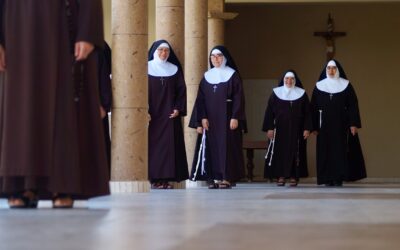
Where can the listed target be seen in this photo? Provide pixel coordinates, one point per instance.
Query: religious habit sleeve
(269, 123)
(201, 105)
(90, 22)
(314, 110)
(352, 107)
(237, 98)
(307, 113)
(180, 95)
(104, 71)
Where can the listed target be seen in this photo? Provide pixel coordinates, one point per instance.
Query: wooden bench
(250, 146)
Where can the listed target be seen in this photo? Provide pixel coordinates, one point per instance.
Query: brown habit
(48, 141)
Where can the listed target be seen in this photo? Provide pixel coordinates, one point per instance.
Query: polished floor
(250, 216)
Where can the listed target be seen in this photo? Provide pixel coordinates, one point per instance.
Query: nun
(287, 122)
(221, 113)
(167, 106)
(336, 120)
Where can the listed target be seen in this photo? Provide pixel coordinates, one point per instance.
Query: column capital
(222, 15)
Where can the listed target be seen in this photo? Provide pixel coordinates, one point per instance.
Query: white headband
(290, 74)
(163, 45)
(216, 52)
(331, 63)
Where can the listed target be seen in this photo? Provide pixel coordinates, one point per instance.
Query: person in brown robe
(167, 106)
(287, 122)
(220, 110)
(336, 119)
(51, 133)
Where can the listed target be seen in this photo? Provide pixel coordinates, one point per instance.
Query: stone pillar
(196, 60)
(129, 113)
(216, 22)
(170, 24)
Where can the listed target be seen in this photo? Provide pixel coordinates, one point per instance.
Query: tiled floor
(250, 216)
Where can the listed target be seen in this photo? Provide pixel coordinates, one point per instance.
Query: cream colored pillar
(195, 61)
(170, 24)
(129, 113)
(216, 22)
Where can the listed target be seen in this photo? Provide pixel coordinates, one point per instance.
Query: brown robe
(167, 154)
(49, 142)
(219, 103)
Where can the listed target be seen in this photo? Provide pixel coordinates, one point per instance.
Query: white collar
(158, 67)
(288, 94)
(332, 85)
(218, 75)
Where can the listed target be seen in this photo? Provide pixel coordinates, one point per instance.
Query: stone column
(170, 24)
(196, 60)
(129, 113)
(216, 22)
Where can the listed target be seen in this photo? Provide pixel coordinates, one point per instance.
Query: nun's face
(217, 59)
(289, 81)
(163, 53)
(331, 71)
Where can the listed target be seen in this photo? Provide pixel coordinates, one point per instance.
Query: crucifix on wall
(330, 36)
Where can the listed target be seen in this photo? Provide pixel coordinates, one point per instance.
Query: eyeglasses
(214, 56)
(163, 50)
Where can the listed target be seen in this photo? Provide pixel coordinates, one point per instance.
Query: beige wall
(107, 20)
(267, 39)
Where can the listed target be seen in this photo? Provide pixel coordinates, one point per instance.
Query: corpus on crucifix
(330, 36)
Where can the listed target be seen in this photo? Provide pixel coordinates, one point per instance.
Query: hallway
(250, 216)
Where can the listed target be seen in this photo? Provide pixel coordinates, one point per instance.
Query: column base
(118, 187)
(179, 185)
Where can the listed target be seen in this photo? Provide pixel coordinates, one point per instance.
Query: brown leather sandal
(26, 199)
(167, 186)
(157, 185)
(281, 182)
(225, 185)
(63, 201)
(293, 182)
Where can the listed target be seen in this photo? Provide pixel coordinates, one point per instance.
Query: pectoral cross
(162, 81)
(330, 96)
(330, 36)
(215, 88)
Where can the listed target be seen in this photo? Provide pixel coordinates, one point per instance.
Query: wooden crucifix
(330, 36)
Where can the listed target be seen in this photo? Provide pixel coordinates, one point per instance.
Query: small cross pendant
(331, 96)
(162, 80)
(215, 88)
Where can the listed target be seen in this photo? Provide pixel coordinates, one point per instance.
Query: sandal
(157, 185)
(281, 182)
(167, 186)
(213, 185)
(293, 182)
(63, 201)
(225, 185)
(27, 199)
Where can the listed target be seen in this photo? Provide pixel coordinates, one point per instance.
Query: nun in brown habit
(51, 135)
